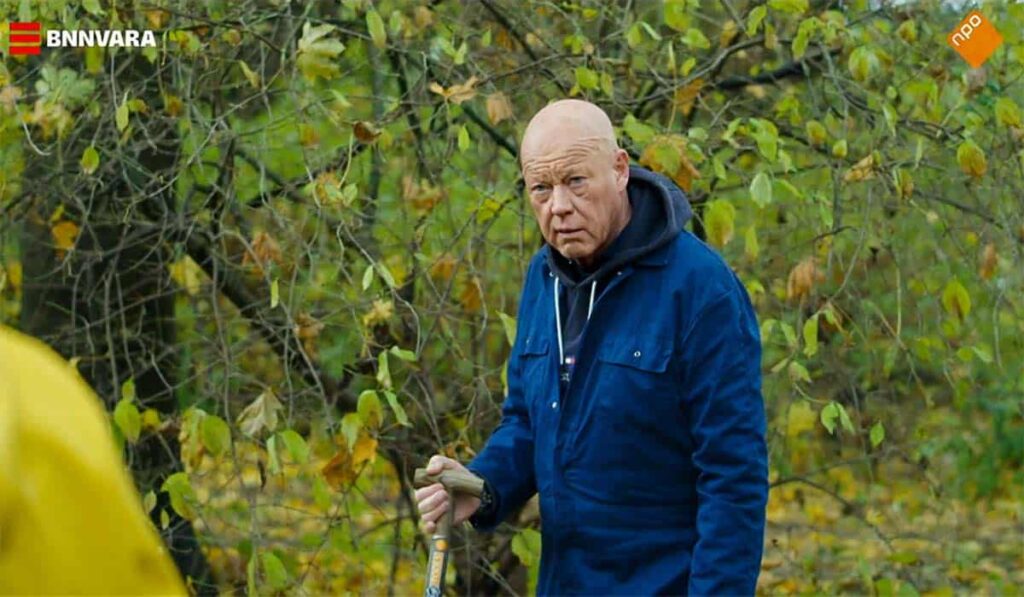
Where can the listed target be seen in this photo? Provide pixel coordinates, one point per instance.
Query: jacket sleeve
(506, 462)
(722, 369)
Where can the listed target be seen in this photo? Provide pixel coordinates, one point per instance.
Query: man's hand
(432, 500)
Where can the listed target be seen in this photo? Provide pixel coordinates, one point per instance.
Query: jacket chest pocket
(634, 374)
(635, 425)
(535, 363)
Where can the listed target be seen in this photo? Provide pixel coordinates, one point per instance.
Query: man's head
(576, 177)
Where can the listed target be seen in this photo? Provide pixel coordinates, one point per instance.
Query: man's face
(577, 191)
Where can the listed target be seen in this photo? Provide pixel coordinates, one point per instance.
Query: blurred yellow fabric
(71, 521)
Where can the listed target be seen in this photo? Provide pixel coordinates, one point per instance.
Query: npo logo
(975, 38)
(26, 38)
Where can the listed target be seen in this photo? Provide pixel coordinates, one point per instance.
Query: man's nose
(561, 200)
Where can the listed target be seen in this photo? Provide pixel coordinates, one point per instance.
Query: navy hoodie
(659, 212)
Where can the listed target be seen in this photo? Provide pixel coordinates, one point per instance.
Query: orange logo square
(975, 38)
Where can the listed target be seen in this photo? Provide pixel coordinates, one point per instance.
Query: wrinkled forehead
(553, 153)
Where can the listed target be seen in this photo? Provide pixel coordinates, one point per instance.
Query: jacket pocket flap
(646, 354)
(535, 346)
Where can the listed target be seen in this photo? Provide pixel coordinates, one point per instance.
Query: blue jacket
(652, 467)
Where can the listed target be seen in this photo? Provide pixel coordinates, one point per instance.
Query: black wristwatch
(487, 505)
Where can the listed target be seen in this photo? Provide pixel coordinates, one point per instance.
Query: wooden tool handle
(454, 481)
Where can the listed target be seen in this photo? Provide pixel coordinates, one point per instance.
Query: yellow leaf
(971, 159)
(862, 170)
(498, 107)
(471, 296)
(956, 300)
(685, 97)
(799, 418)
(252, 77)
(318, 54)
(339, 472)
(187, 274)
(718, 222)
(666, 154)
(365, 450)
(64, 234)
(261, 414)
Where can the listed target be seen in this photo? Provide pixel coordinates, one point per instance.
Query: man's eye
(576, 180)
(538, 188)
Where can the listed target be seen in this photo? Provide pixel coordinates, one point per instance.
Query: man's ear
(621, 169)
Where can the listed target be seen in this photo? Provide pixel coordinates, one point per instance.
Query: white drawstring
(558, 317)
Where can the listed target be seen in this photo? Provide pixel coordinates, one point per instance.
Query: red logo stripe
(25, 27)
(28, 38)
(24, 50)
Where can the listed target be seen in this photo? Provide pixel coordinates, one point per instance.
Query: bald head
(567, 122)
(576, 178)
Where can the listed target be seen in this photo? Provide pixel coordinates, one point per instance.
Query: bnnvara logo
(27, 38)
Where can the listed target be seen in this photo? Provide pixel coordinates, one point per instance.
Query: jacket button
(551, 274)
(554, 404)
(636, 354)
(618, 273)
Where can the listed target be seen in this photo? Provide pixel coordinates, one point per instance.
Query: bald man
(634, 402)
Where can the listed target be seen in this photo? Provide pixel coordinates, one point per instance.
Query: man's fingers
(436, 464)
(432, 502)
(424, 492)
(428, 527)
(435, 513)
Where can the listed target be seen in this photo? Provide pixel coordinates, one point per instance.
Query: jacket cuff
(485, 518)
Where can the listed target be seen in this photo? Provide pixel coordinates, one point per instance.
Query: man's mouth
(567, 231)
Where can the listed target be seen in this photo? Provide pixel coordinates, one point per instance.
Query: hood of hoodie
(660, 209)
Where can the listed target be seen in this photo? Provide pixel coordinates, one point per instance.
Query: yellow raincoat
(71, 521)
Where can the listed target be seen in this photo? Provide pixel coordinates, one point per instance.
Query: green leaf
(385, 274)
(368, 277)
(93, 7)
(351, 423)
(844, 418)
(369, 409)
(983, 353)
(639, 132)
(862, 63)
(375, 25)
(463, 138)
(509, 323)
(695, 39)
(406, 355)
(128, 389)
(789, 333)
(215, 434)
(275, 294)
(273, 569)
(392, 399)
(828, 417)
(687, 66)
(250, 575)
(128, 420)
(761, 189)
(797, 372)
(274, 464)
(121, 115)
(149, 502)
(250, 76)
(90, 160)
(183, 497)
(383, 371)
(790, 6)
(877, 434)
(526, 546)
(296, 446)
(321, 495)
(587, 78)
(811, 336)
(634, 36)
(767, 137)
(956, 300)
(755, 18)
(1007, 112)
(675, 15)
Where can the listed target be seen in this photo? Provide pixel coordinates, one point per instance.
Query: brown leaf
(307, 327)
(666, 154)
(862, 170)
(498, 107)
(339, 472)
(423, 17)
(686, 96)
(471, 296)
(456, 93)
(443, 268)
(365, 131)
(989, 261)
(421, 196)
(802, 279)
